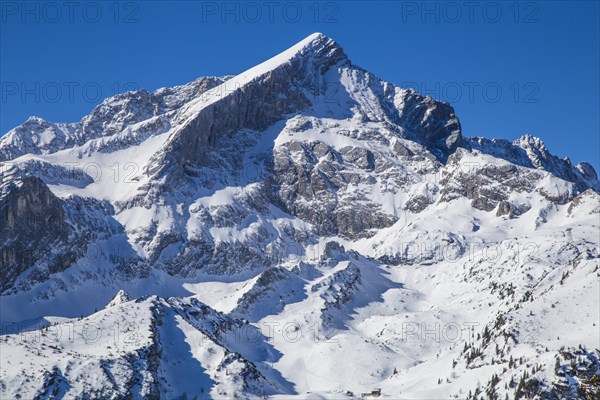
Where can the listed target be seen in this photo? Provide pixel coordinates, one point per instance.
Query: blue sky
(508, 68)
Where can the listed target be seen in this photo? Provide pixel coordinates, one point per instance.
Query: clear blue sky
(59, 61)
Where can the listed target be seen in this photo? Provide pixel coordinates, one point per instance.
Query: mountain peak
(313, 37)
(315, 40)
(319, 48)
(530, 140)
(320, 44)
(120, 298)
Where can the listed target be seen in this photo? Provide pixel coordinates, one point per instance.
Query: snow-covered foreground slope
(301, 230)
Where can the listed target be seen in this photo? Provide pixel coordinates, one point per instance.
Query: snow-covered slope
(302, 227)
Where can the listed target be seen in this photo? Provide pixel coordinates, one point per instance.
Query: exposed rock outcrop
(32, 223)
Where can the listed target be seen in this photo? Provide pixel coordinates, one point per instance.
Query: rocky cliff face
(256, 105)
(306, 195)
(33, 223)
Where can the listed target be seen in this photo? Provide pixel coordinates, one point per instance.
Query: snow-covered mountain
(300, 230)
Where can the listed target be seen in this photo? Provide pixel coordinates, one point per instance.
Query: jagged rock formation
(33, 223)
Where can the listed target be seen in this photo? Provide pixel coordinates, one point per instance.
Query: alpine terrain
(300, 230)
